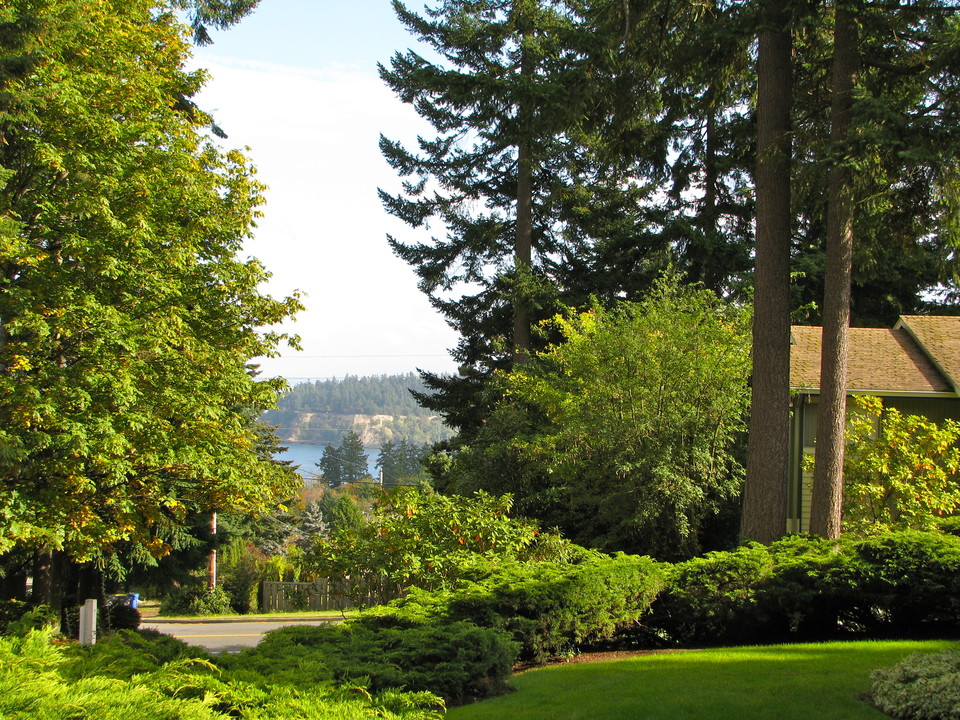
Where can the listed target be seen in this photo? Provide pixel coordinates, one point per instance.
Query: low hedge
(803, 588)
(196, 600)
(458, 661)
(548, 608)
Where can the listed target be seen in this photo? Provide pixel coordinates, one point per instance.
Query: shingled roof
(939, 337)
(883, 361)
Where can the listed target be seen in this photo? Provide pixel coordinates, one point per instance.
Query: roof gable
(939, 337)
(880, 361)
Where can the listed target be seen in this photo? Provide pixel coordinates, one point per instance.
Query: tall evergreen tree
(346, 463)
(219, 14)
(765, 488)
(901, 152)
(561, 127)
(505, 101)
(827, 499)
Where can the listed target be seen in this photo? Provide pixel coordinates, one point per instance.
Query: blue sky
(296, 82)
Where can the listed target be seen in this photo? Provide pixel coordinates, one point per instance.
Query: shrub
(912, 580)
(126, 653)
(714, 599)
(812, 593)
(41, 680)
(899, 583)
(112, 615)
(924, 686)
(900, 471)
(18, 617)
(548, 608)
(10, 611)
(41, 617)
(242, 568)
(456, 660)
(196, 600)
(419, 538)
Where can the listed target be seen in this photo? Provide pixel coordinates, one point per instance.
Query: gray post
(88, 622)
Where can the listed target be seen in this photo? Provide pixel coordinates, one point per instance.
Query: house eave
(882, 393)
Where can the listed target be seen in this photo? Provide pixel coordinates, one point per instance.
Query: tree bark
(42, 580)
(764, 514)
(827, 502)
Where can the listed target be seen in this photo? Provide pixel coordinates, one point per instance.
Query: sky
(296, 82)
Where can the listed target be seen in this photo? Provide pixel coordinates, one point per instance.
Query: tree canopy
(346, 463)
(623, 433)
(640, 120)
(127, 320)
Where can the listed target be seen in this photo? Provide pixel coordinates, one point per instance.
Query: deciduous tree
(622, 434)
(422, 539)
(900, 471)
(127, 321)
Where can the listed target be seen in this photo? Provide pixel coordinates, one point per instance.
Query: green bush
(142, 676)
(11, 611)
(126, 653)
(112, 616)
(711, 599)
(912, 579)
(455, 660)
(242, 568)
(924, 686)
(801, 588)
(18, 617)
(812, 592)
(196, 600)
(548, 608)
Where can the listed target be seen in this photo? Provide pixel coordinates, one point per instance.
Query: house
(914, 367)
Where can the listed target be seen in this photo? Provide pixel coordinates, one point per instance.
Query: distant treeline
(374, 395)
(323, 411)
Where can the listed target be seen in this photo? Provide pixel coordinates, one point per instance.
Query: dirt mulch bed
(592, 657)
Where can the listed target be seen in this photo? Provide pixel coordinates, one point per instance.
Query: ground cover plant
(458, 661)
(924, 686)
(787, 682)
(124, 676)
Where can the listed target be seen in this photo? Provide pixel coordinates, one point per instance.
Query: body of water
(307, 455)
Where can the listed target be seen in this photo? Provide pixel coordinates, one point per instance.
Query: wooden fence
(326, 594)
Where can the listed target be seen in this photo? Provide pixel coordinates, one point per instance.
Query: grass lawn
(783, 682)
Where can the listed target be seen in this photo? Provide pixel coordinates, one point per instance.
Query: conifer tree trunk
(765, 492)
(827, 501)
(523, 256)
(523, 244)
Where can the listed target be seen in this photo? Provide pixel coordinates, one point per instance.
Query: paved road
(221, 636)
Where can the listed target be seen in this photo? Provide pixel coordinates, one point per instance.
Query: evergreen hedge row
(547, 608)
(803, 588)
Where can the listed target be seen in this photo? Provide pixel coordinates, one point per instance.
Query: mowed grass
(782, 682)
